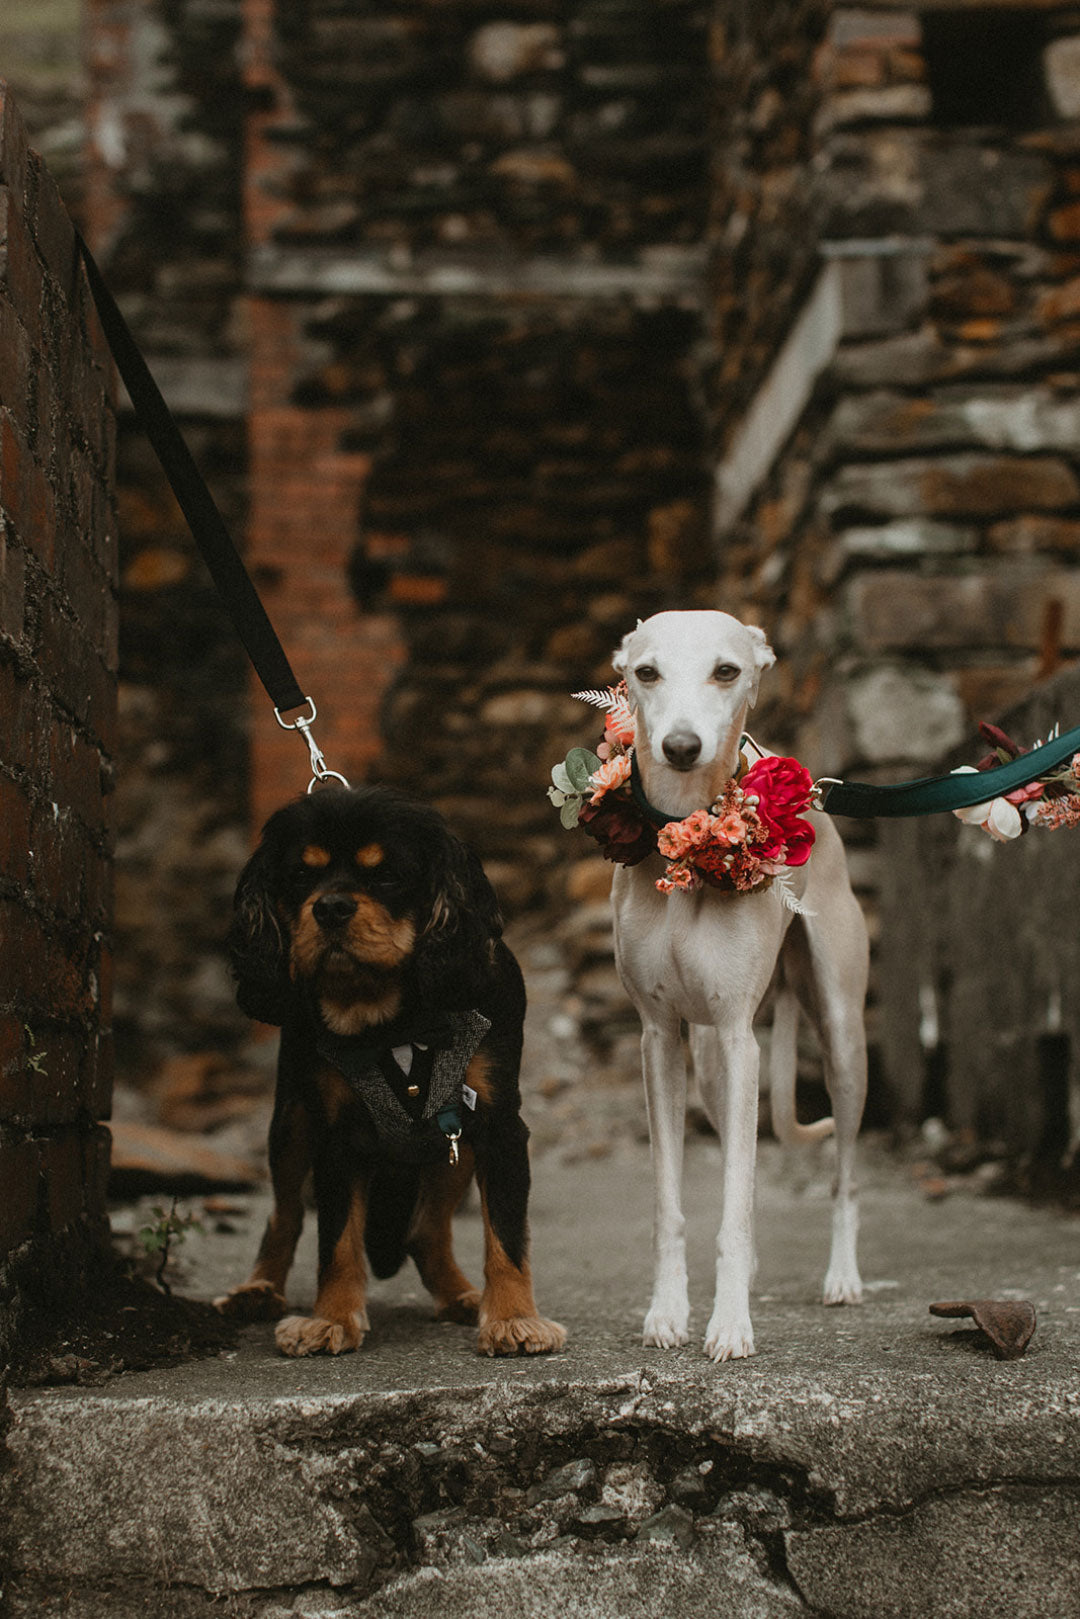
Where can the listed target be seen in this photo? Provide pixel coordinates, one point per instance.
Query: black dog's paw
(252, 1301)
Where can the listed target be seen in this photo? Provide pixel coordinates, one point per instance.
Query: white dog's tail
(782, 1065)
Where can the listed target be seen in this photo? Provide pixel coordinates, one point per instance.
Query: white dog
(708, 957)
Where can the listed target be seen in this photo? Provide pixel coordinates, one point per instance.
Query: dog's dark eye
(298, 876)
(725, 673)
(647, 673)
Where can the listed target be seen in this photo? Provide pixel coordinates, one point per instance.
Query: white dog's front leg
(664, 1068)
(730, 1335)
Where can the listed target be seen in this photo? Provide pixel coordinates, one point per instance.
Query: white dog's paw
(666, 1329)
(730, 1340)
(842, 1287)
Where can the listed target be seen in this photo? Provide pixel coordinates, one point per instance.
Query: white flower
(998, 817)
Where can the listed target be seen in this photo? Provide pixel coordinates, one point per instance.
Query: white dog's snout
(682, 749)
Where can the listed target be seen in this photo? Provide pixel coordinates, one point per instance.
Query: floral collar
(1051, 801)
(748, 838)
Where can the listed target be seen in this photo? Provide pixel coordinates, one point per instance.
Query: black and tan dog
(372, 936)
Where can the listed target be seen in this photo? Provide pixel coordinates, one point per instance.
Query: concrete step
(872, 1461)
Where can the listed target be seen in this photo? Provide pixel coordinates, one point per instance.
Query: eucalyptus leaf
(570, 811)
(561, 779)
(558, 797)
(580, 765)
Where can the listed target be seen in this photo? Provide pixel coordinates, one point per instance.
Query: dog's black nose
(333, 910)
(681, 749)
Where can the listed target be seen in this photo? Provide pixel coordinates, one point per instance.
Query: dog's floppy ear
(620, 658)
(258, 949)
(455, 951)
(764, 657)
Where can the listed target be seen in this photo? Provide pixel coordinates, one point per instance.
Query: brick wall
(58, 631)
(479, 291)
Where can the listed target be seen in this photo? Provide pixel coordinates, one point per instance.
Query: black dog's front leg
(339, 1319)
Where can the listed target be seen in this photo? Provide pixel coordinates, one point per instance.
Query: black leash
(241, 599)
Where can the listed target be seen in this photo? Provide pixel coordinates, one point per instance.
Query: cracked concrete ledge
(871, 1462)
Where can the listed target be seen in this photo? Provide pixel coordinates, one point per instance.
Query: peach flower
(612, 773)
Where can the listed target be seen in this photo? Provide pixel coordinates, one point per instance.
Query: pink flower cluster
(751, 833)
(754, 830)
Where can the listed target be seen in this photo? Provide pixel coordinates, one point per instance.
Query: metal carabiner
(816, 800)
(320, 773)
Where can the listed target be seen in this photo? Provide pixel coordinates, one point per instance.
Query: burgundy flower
(618, 827)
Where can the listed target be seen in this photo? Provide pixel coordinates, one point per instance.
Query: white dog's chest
(707, 955)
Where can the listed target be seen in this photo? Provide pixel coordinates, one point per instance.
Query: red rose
(782, 788)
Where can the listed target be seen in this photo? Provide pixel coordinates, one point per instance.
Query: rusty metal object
(1008, 1323)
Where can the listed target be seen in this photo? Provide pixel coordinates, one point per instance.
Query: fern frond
(599, 699)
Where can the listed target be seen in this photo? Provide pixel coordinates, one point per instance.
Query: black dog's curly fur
(362, 907)
(435, 875)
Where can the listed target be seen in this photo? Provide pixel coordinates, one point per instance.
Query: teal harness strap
(658, 817)
(932, 795)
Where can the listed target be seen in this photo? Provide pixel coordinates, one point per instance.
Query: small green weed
(169, 1228)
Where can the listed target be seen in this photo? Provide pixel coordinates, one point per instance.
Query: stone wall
(914, 546)
(58, 629)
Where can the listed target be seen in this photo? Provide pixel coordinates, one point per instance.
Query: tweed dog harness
(411, 1083)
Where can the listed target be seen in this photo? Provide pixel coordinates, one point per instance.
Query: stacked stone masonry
(513, 283)
(915, 547)
(58, 633)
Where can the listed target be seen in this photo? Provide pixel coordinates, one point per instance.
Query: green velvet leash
(932, 795)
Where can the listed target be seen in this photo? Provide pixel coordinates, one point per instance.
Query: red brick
(56, 859)
(15, 1093)
(12, 586)
(55, 1079)
(99, 1099)
(106, 975)
(63, 1168)
(20, 1175)
(25, 721)
(14, 152)
(20, 271)
(24, 955)
(96, 1150)
(86, 588)
(50, 226)
(75, 774)
(15, 816)
(66, 659)
(25, 495)
(15, 358)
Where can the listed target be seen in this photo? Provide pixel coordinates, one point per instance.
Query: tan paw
(311, 1335)
(465, 1308)
(521, 1335)
(252, 1301)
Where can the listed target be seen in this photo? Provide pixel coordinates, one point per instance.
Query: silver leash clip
(817, 794)
(319, 770)
(453, 1139)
